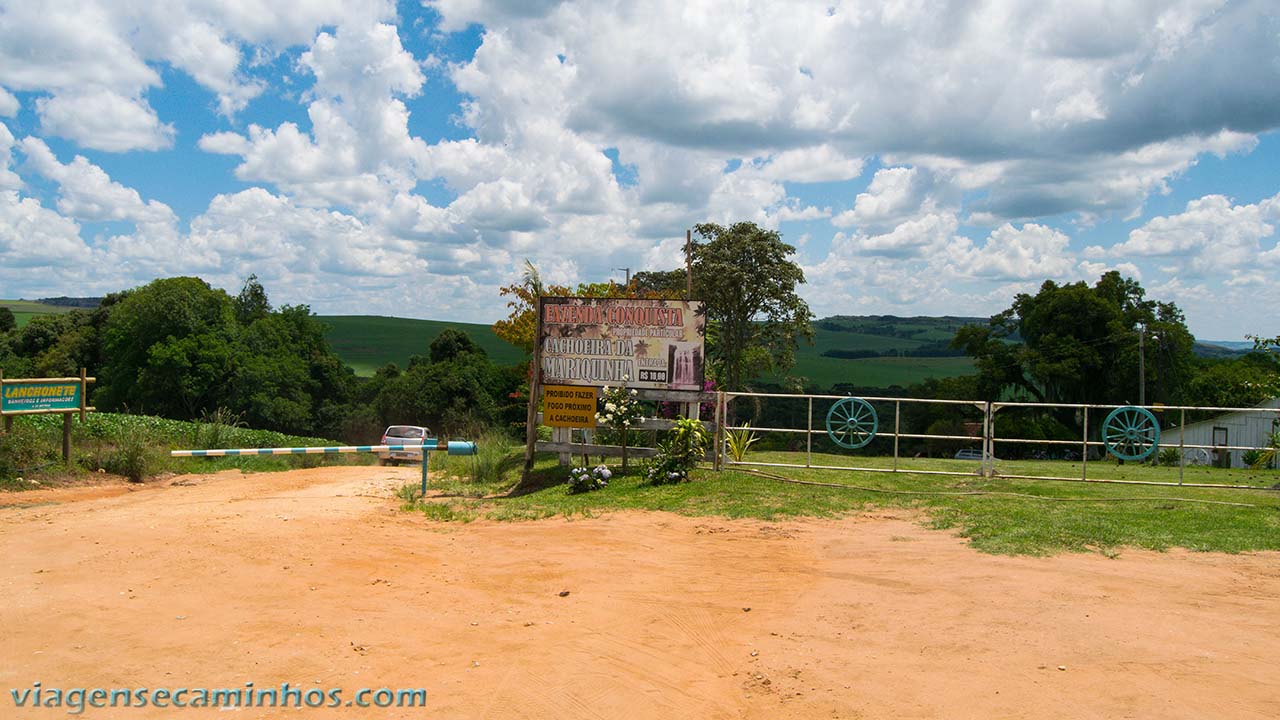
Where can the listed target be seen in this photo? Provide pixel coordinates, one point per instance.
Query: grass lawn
(1032, 517)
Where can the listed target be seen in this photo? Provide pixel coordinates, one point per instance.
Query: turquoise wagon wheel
(1131, 433)
(852, 423)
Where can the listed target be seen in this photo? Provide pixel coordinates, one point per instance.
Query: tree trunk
(624, 448)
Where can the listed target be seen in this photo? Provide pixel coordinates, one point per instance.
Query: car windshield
(403, 431)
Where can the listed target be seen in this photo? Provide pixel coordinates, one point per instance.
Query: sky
(924, 158)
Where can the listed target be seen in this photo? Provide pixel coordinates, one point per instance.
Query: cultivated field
(24, 310)
(318, 578)
(366, 343)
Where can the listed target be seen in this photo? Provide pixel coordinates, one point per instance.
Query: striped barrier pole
(453, 447)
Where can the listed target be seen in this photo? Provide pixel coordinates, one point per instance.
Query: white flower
(610, 407)
(633, 392)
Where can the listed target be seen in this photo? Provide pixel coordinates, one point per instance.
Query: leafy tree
(285, 374)
(1237, 382)
(168, 348)
(251, 304)
(452, 342)
(7, 320)
(671, 284)
(176, 347)
(1260, 343)
(754, 315)
(457, 395)
(1081, 344)
(522, 322)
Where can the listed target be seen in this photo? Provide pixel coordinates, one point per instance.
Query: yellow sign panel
(569, 406)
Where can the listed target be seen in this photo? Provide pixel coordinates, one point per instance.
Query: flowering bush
(583, 480)
(620, 410)
(619, 407)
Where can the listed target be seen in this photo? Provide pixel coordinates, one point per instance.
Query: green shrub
(679, 453)
(495, 458)
(24, 449)
(1169, 457)
(1267, 455)
(214, 430)
(133, 456)
(738, 441)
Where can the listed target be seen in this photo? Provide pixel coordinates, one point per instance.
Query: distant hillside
(1221, 349)
(24, 310)
(367, 342)
(882, 350)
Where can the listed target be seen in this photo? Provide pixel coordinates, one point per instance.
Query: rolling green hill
(879, 372)
(24, 310)
(367, 342)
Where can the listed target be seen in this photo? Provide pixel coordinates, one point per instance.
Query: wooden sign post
(41, 396)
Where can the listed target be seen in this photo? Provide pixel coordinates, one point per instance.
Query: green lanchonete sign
(45, 397)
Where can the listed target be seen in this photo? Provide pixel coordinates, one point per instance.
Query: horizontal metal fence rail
(452, 447)
(988, 438)
(810, 431)
(330, 450)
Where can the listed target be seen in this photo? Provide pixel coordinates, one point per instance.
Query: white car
(402, 435)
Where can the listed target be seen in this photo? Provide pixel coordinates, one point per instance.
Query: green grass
(879, 372)
(367, 342)
(1017, 517)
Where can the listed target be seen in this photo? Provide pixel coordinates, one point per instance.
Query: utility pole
(688, 263)
(627, 270)
(1142, 366)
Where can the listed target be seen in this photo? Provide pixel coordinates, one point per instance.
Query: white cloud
(96, 58)
(915, 237)
(1210, 235)
(9, 180)
(86, 192)
(9, 104)
(359, 150)
(34, 236)
(1017, 116)
(104, 120)
(819, 163)
(1027, 253)
(894, 195)
(794, 212)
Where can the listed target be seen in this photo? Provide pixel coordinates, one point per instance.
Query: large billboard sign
(608, 341)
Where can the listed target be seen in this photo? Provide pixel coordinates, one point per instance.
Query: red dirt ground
(315, 578)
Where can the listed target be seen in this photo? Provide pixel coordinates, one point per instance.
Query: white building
(1233, 432)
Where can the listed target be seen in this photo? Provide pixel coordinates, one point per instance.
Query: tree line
(181, 349)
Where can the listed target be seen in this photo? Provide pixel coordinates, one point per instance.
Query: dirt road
(314, 578)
